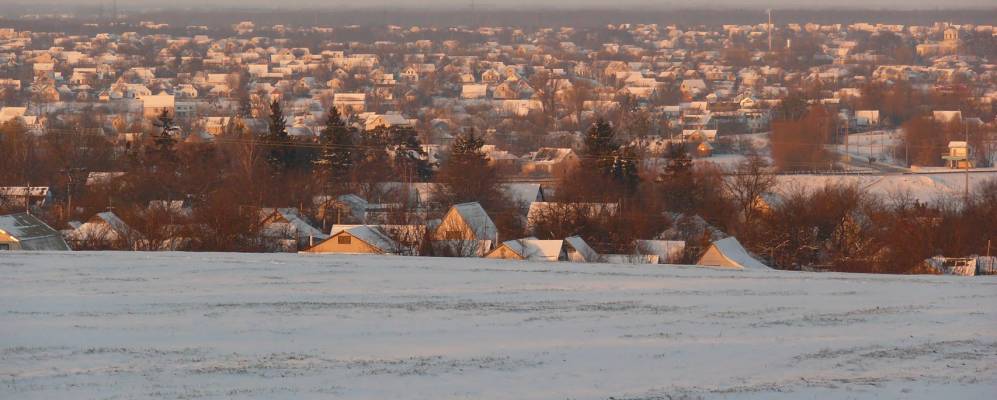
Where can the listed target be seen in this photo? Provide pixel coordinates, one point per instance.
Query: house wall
(453, 227)
(356, 246)
(9, 241)
(713, 258)
(504, 253)
(573, 255)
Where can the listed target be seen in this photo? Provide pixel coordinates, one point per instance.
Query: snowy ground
(925, 187)
(190, 326)
(878, 144)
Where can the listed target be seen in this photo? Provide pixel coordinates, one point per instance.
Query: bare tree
(747, 185)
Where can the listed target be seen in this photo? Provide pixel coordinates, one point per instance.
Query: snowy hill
(275, 326)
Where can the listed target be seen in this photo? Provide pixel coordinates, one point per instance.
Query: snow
(879, 144)
(281, 326)
(533, 249)
(477, 220)
(927, 188)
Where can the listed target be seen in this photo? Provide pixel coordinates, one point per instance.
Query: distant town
(858, 147)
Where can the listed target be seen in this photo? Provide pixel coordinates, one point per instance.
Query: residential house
(551, 160)
(25, 196)
(472, 91)
(356, 239)
(350, 103)
(286, 229)
(958, 155)
(866, 118)
(466, 230)
(154, 105)
(105, 231)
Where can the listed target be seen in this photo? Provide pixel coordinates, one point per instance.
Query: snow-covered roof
(372, 235)
(295, 221)
(105, 226)
(477, 220)
(534, 249)
(732, 250)
(584, 250)
(523, 193)
(31, 232)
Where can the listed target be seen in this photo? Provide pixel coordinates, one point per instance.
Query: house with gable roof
(465, 230)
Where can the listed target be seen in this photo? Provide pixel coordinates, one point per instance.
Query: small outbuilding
(531, 249)
(576, 250)
(728, 253)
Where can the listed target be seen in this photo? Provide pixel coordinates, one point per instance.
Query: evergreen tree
(598, 154)
(624, 169)
(280, 155)
(602, 156)
(164, 143)
(338, 151)
(409, 156)
(466, 175)
(466, 150)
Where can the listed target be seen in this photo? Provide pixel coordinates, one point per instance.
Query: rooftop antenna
(769, 11)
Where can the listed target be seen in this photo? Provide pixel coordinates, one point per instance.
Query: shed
(728, 253)
(577, 250)
(531, 249)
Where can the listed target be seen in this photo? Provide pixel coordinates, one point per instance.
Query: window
(344, 239)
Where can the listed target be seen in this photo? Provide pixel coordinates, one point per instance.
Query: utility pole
(847, 156)
(27, 199)
(474, 15)
(769, 11)
(966, 129)
(69, 190)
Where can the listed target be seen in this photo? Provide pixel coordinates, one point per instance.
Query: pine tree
(164, 141)
(599, 147)
(466, 176)
(280, 155)
(624, 168)
(466, 150)
(338, 151)
(410, 158)
(602, 156)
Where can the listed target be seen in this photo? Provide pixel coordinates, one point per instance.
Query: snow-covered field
(926, 187)
(265, 326)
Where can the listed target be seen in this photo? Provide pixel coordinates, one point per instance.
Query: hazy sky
(901, 4)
